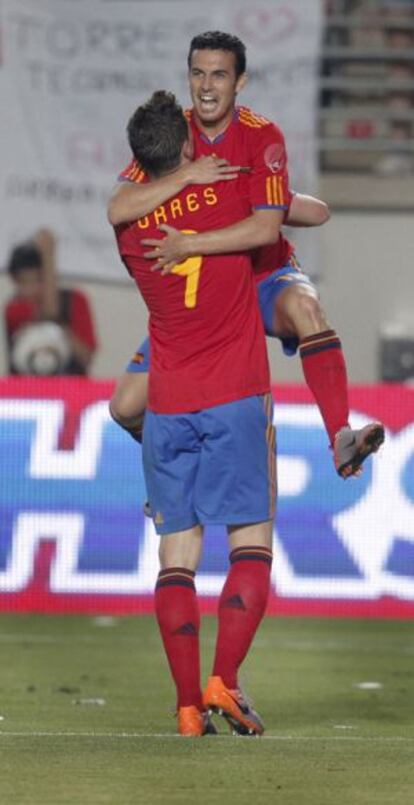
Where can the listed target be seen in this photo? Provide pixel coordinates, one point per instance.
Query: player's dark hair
(217, 40)
(157, 132)
(24, 256)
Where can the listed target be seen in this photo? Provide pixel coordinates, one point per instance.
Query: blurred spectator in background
(49, 330)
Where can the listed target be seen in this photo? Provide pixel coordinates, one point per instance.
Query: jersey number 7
(190, 269)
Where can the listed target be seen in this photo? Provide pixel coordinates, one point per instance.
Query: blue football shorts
(217, 465)
(268, 291)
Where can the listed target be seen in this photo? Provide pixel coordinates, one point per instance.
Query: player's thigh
(129, 399)
(236, 482)
(171, 455)
(181, 548)
(251, 534)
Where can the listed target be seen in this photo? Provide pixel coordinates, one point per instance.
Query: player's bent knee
(303, 309)
(115, 413)
(126, 419)
(128, 402)
(134, 425)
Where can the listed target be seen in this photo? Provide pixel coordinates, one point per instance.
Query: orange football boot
(193, 724)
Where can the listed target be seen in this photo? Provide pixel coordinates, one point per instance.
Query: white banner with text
(73, 71)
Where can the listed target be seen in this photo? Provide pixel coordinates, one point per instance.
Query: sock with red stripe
(178, 617)
(325, 373)
(242, 605)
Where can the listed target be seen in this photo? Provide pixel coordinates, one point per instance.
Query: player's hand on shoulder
(208, 169)
(167, 251)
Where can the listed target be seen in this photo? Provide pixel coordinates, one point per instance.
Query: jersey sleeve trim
(133, 173)
(136, 178)
(274, 190)
(251, 119)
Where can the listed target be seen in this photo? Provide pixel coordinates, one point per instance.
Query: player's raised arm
(133, 197)
(307, 211)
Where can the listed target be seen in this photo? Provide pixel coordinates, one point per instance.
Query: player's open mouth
(207, 102)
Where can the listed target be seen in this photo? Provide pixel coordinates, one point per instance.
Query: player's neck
(213, 129)
(183, 161)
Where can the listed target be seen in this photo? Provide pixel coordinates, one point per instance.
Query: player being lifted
(225, 136)
(209, 441)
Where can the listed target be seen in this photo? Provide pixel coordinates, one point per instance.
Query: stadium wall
(73, 537)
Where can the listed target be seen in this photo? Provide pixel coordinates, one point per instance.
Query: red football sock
(242, 605)
(178, 616)
(325, 373)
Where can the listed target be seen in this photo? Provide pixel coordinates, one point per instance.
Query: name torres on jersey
(177, 208)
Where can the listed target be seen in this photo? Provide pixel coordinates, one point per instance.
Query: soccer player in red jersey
(209, 440)
(289, 301)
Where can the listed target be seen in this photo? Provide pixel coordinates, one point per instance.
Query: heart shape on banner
(265, 26)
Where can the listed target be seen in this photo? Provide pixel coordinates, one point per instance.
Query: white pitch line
(146, 735)
(294, 645)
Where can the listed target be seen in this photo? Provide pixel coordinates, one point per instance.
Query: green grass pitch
(87, 716)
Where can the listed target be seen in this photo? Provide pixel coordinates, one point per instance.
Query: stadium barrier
(73, 536)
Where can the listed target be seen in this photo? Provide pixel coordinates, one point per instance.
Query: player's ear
(241, 82)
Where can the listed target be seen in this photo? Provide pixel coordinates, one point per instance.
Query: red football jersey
(253, 142)
(207, 338)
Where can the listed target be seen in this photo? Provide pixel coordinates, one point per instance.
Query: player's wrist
(185, 176)
(188, 246)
